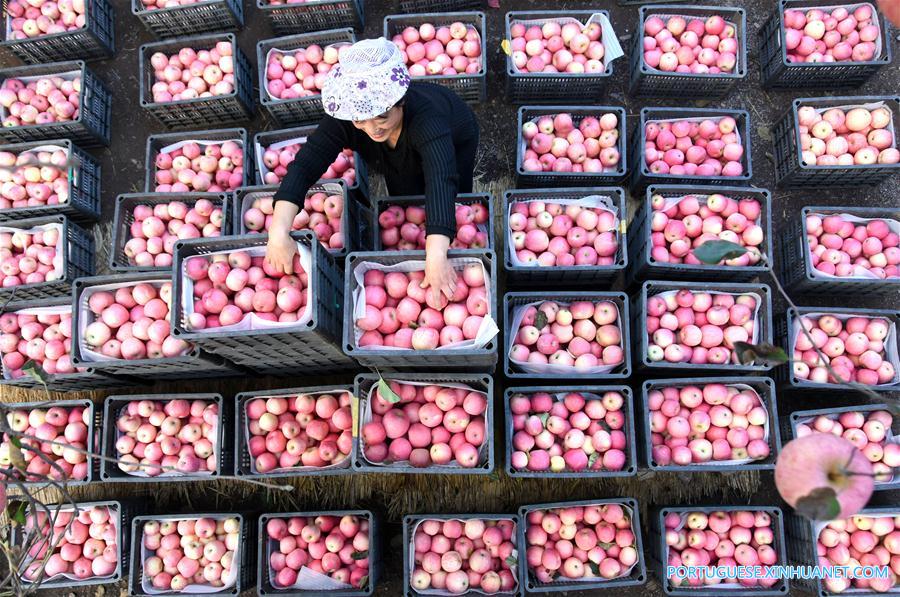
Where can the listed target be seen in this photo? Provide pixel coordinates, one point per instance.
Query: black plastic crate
(522, 87)
(264, 584)
(569, 274)
(797, 272)
(471, 88)
(195, 364)
(644, 266)
(641, 176)
(124, 216)
(313, 350)
(90, 129)
(382, 203)
(191, 19)
(113, 406)
(156, 142)
(76, 246)
(83, 172)
(792, 173)
(481, 383)
(463, 360)
(653, 287)
(551, 179)
(511, 300)
(94, 41)
(314, 16)
(631, 464)
(199, 112)
(777, 73)
(411, 6)
(638, 574)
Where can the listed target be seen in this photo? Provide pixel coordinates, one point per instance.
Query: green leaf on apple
(713, 252)
(540, 320)
(385, 391)
(593, 458)
(595, 568)
(16, 512)
(364, 582)
(511, 561)
(359, 555)
(760, 354)
(32, 368)
(820, 504)
(544, 418)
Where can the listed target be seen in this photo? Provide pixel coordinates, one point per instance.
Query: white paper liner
(329, 188)
(291, 51)
(486, 331)
(58, 263)
(180, 144)
(690, 18)
(411, 562)
(851, 8)
(251, 321)
(66, 76)
(699, 119)
(890, 341)
(519, 313)
(58, 310)
(859, 272)
(619, 143)
(612, 49)
(593, 201)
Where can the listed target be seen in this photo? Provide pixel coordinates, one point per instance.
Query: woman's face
(382, 126)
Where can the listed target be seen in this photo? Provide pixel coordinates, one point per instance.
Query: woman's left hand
(440, 277)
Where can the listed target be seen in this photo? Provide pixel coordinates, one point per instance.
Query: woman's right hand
(280, 251)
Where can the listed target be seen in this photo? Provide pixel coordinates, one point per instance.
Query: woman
(423, 138)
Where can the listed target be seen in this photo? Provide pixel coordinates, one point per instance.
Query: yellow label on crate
(623, 225)
(354, 413)
(507, 49)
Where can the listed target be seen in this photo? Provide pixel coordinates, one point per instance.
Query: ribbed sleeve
(313, 159)
(435, 145)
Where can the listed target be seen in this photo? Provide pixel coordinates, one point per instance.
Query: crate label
(354, 414)
(505, 46)
(623, 225)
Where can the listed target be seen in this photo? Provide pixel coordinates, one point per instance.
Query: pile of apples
(403, 228)
(836, 35)
(573, 432)
(322, 213)
(854, 346)
(45, 339)
(580, 542)
(555, 48)
(213, 167)
(861, 540)
(676, 230)
(191, 551)
(300, 72)
(177, 434)
(698, 46)
(709, 147)
(27, 257)
(838, 137)
(190, 74)
(699, 327)
(546, 234)
(429, 426)
(65, 424)
(310, 430)
(723, 539)
(33, 18)
(447, 50)
(457, 556)
(337, 546)
(34, 178)
(556, 144)
(132, 323)
(156, 228)
(581, 335)
(838, 246)
(278, 160)
(402, 314)
(227, 287)
(83, 545)
(40, 101)
(707, 423)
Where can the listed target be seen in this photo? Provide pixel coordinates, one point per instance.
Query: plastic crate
(199, 112)
(570, 179)
(632, 2)
(792, 173)
(631, 465)
(650, 82)
(191, 19)
(764, 386)
(481, 383)
(314, 16)
(411, 6)
(382, 203)
(77, 250)
(654, 287)
(94, 41)
(776, 72)
(195, 364)
(796, 269)
(462, 360)
(471, 88)
(83, 172)
(643, 265)
(90, 129)
(157, 142)
(264, 584)
(659, 551)
(638, 574)
(511, 300)
(313, 350)
(569, 274)
(124, 217)
(552, 87)
(641, 176)
(785, 323)
(242, 459)
(113, 406)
